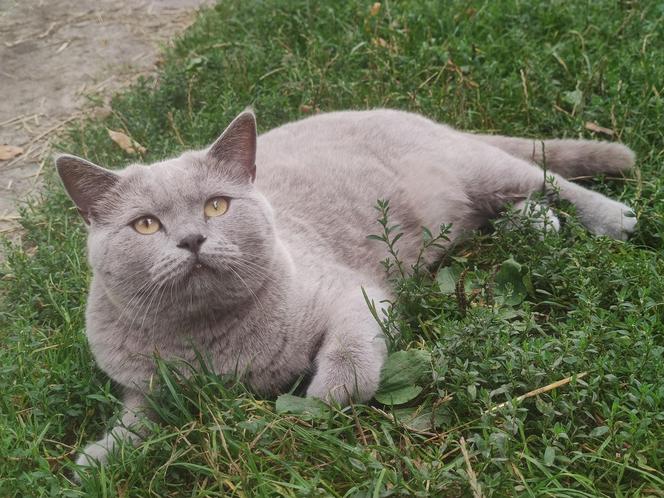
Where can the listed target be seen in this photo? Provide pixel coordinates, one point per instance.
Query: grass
(575, 304)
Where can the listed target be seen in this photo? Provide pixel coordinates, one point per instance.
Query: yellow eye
(216, 207)
(147, 225)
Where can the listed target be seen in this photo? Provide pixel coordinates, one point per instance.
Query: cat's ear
(236, 147)
(85, 182)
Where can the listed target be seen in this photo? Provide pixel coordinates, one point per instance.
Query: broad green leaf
(426, 421)
(251, 426)
(575, 97)
(472, 391)
(549, 455)
(400, 375)
(512, 282)
(398, 396)
(420, 419)
(599, 431)
(308, 407)
(447, 278)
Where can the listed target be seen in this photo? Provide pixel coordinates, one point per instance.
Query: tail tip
(619, 157)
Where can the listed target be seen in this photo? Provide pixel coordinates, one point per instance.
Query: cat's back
(382, 134)
(324, 174)
(343, 154)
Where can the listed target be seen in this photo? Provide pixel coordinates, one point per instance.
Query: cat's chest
(267, 353)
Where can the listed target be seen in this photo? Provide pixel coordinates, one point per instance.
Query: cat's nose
(192, 242)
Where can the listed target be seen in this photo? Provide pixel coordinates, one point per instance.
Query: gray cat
(255, 251)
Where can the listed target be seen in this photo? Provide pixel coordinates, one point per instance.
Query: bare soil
(55, 55)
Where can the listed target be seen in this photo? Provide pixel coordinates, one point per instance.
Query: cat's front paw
(343, 385)
(540, 217)
(94, 454)
(612, 219)
(338, 394)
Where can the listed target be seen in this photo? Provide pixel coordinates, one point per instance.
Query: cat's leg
(599, 214)
(134, 406)
(498, 178)
(353, 351)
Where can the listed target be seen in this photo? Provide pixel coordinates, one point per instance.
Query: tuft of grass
(505, 314)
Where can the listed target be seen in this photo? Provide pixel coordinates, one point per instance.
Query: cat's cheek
(98, 250)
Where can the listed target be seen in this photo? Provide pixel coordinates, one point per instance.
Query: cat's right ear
(85, 182)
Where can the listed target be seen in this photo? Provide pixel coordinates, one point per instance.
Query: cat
(255, 250)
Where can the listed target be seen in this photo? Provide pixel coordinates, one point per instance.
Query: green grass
(595, 305)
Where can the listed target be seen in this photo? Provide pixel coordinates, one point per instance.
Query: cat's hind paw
(612, 219)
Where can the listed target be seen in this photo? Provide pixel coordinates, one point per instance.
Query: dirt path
(54, 55)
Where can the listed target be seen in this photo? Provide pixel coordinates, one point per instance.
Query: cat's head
(191, 232)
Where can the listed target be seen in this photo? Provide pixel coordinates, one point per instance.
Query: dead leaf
(599, 129)
(380, 42)
(306, 108)
(62, 47)
(9, 152)
(126, 143)
(375, 9)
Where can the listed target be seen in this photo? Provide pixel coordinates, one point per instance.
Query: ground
(524, 365)
(57, 55)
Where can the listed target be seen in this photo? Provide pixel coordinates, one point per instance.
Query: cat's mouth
(196, 266)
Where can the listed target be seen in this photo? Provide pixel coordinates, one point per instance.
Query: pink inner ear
(236, 147)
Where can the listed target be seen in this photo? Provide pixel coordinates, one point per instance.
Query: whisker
(132, 312)
(165, 268)
(243, 263)
(143, 288)
(154, 292)
(156, 309)
(256, 271)
(124, 280)
(258, 302)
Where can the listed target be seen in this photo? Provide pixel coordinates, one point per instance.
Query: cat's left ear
(236, 147)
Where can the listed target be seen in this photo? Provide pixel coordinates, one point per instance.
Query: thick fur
(279, 293)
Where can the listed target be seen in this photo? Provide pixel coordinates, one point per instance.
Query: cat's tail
(568, 158)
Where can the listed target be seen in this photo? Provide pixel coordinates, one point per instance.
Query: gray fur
(284, 268)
